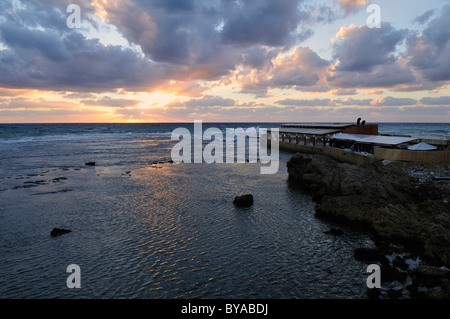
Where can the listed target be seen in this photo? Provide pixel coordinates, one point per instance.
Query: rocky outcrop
(244, 200)
(56, 232)
(378, 197)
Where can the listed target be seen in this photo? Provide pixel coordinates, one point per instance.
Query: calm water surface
(141, 230)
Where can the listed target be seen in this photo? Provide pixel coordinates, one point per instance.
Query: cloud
(305, 102)
(361, 49)
(430, 50)
(264, 22)
(29, 104)
(392, 101)
(109, 102)
(43, 54)
(424, 17)
(441, 100)
(342, 91)
(190, 48)
(302, 69)
(350, 101)
(351, 5)
(210, 101)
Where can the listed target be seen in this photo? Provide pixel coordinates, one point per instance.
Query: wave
(80, 136)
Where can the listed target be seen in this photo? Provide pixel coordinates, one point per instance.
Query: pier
(358, 143)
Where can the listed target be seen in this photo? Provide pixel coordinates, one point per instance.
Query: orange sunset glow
(177, 61)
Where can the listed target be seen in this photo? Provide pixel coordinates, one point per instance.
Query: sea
(146, 228)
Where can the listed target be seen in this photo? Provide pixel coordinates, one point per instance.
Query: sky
(224, 61)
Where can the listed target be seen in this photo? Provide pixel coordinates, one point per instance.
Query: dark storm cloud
(430, 51)
(363, 48)
(265, 22)
(442, 100)
(42, 54)
(258, 41)
(74, 63)
(34, 42)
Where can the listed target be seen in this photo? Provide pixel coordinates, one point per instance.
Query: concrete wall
(292, 147)
(380, 154)
(367, 129)
(337, 154)
(343, 156)
(412, 156)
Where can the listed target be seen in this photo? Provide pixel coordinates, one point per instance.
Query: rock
(400, 263)
(334, 232)
(244, 200)
(379, 198)
(394, 293)
(373, 293)
(59, 231)
(435, 294)
(423, 271)
(369, 255)
(90, 164)
(390, 274)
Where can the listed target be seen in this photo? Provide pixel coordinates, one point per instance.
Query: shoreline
(400, 205)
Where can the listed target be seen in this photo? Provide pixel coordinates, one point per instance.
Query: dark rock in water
(373, 293)
(394, 293)
(334, 231)
(90, 164)
(400, 263)
(59, 231)
(424, 271)
(389, 274)
(435, 294)
(370, 255)
(244, 200)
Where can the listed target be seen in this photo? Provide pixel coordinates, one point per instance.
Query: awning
(422, 147)
(374, 139)
(309, 131)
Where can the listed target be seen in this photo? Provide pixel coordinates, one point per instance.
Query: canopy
(422, 147)
(374, 139)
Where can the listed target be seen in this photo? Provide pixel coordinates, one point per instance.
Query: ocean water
(415, 129)
(142, 229)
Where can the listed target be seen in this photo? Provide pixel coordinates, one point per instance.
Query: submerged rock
(244, 200)
(400, 263)
(59, 231)
(334, 232)
(90, 164)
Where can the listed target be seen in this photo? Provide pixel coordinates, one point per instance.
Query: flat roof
(309, 131)
(435, 140)
(315, 125)
(374, 139)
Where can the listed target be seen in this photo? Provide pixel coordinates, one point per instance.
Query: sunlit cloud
(176, 61)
